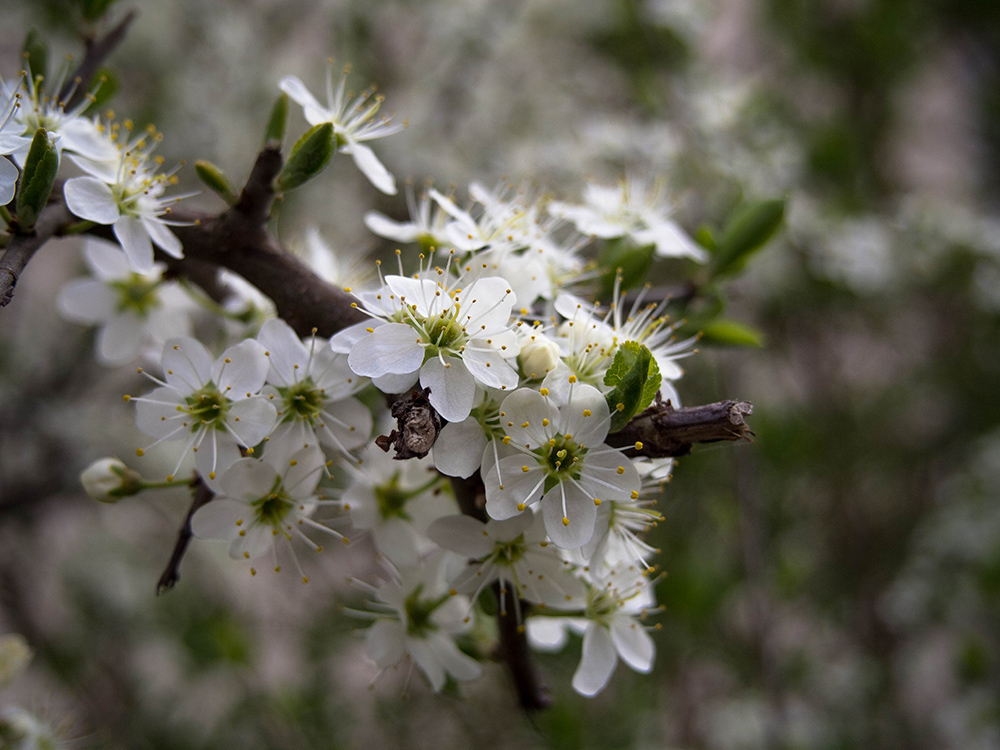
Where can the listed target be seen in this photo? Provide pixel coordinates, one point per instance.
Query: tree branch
(22, 247)
(665, 431)
(95, 53)
(202, 495)
(513, 649)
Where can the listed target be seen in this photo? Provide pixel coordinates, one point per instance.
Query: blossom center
(208, 407)
(136, 295)
(272, 508)
(419, 611)
(304, 400)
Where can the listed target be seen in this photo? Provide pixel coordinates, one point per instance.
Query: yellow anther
(619, 406)
(140, 452)
(544, 391)
(587, 412)
(127, 397)
(635, 495)
(506, 440)
(572, 378)
(253, 571)
(621, 469)
(521, 506)
(305, 579)
(545, 423)
(638, 445)
(597, 501)
(211, 475)
(565, 521)
(524, 469)
(525, 424)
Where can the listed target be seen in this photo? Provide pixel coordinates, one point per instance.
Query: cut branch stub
(663, 431)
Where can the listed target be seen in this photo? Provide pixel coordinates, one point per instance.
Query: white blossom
(133, 310)
(515, 553)
(127, 193)
(353, 119)
(454, 334)
(262, 502)
(213, 407)
(632, 209)
(416, 616)
(313, 389)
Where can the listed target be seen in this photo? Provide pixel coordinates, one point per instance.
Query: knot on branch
(418, 426)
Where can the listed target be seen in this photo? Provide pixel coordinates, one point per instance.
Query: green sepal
(634, 376)
(35, 54)
(622, 257)
(725, 332)
(746, 232)
(36, 180)
(705, 237)
(278, 122)
(217, 181)
(309, 156)
(94, 9)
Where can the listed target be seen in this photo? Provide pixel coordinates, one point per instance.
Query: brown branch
(202, 495)
(95, 53)
(665, 431)
(23, 246)
(531, 693)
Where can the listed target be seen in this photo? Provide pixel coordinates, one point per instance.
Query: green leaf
(107, 87)
(36, 54)
(37, 179)
(278, 122)
(623, 257)
(705, 238)
(309, 156)
(216, 180)
(724, 332)
(652, 385)
(631, 376)
(94, 9)
(746, 232)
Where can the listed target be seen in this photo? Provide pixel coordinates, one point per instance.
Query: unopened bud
(539, 356)
(108, 480)
(15, 653)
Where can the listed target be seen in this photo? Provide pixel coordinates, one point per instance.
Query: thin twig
(664, 431)
(94, 55)
(202, 495)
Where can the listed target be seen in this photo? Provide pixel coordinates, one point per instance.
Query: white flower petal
(91, 199)
(248, 480)
(314, 111)
(257, 417)
(242, 369)
(453, 389)
(156, 414)
(597, 663)
(371, 167)
(350, 426)
(217, 519)
(135, 242)
(258, 541)
(507, 485)
(8, 178)
(161, 235)
(285, 351)
(87, 301)
(186, 364)
(427, 660)
(385, 643)
(671, 242)
(217, 452)
(578, 508)
(395, 540)
(588, 431)
(107, 261)
(523, 415)
(461, 534)
(396, 383)
(120, 339)
(633, 643)
(383, 226)
(393, 348)
(458, 450)
(546, 633)
(460, 666)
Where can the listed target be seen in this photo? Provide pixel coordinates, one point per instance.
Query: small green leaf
(652, 386)
(39, 175)
(724, 332)
(216, 179)
(278, 122)
(94, 9)
(622, 257)
(746, 232)
(629, 374)
(107, 87)
(36, 54)
(705, 238)
(309, 156)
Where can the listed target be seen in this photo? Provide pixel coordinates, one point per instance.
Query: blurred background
(835, 584)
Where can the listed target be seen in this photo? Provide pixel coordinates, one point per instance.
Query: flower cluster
(493, 323)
